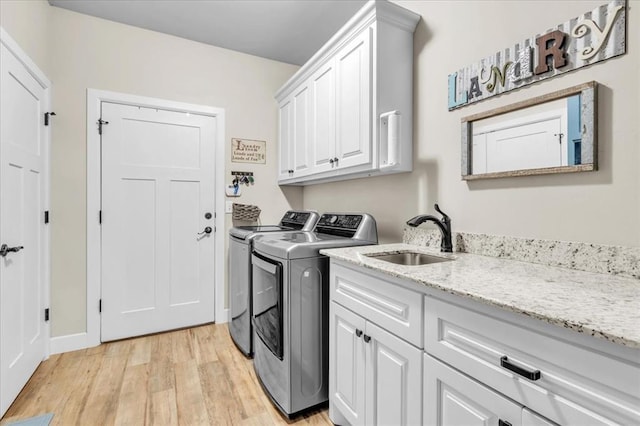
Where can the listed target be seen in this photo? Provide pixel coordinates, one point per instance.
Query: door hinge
(46, 216)
(100, 217)
(100, 306)
(46, 314)
(100, 123)
(46, 117)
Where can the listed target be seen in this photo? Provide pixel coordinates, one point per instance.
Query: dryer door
(267, 301)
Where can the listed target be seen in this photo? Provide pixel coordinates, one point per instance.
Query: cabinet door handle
(335, 160)
(367, 338)
(358, 333)
(331, 161)
(531, 375)
(503, 423)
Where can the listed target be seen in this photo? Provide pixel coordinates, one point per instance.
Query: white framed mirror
(552, 133)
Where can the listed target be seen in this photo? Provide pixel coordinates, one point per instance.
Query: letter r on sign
(551, 44)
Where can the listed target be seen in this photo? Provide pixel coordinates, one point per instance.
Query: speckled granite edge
(614, 260)
(589, 303)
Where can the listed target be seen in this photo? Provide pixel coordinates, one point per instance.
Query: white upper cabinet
(301, 131)
(353, 97)
(323, 118)
(284, 136)
(352, 102)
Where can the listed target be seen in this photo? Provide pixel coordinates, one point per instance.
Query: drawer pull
(531, 375)
(358, 333)
(367, 338)
(503, 423)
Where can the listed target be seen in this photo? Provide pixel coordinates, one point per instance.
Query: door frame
(15, 49)
(94, 242)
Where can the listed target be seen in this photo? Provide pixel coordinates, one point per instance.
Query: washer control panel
(299, 220)
(340, 221)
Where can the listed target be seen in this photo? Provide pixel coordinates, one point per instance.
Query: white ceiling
(284, 30)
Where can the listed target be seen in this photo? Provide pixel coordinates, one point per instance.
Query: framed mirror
(552, 133)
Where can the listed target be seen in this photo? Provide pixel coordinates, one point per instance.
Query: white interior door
(22, 197)
(157, 201)
(529, 146)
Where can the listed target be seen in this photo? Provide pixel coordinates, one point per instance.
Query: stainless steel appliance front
(296, 378)
(267, 302)
(240, 245)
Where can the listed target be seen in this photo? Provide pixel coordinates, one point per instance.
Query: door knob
(4, 249)
(207, 230)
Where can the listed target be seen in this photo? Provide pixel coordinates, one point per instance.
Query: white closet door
(157, 188)
(22, 192)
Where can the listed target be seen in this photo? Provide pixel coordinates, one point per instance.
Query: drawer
(451, 398)
(566, 382)
(388, 305)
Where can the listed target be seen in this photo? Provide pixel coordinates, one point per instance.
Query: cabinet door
(323, 118)
(452, 399)
(529, 418)
(284, 136)
(353, 101)
(301, 142)
(346, 365)
(393, 379)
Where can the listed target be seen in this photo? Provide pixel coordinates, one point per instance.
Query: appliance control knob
(333, 219)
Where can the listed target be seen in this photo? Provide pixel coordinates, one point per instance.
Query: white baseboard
(75, 342)
(222, 317)
(68, 343)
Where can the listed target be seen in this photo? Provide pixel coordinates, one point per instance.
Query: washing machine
(291, 307)
(240, 246)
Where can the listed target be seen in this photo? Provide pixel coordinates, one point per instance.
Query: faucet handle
(445, 218)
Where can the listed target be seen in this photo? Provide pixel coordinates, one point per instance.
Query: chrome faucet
(444, 225)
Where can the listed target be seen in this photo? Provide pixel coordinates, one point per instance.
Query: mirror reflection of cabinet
(554, 133)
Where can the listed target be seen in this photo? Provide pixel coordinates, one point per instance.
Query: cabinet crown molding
(380, 10)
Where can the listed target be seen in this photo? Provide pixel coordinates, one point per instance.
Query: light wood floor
(189, 377)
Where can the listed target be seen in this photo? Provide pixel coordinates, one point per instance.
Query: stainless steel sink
(409, 258)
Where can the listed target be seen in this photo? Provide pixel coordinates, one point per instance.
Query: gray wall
(597, 207)
(78, 52)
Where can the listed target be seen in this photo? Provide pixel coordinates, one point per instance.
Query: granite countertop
(600, 305)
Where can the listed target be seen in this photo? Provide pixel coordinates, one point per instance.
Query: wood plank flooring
(193, 376)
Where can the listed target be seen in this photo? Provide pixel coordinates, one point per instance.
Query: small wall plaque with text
(248, 151)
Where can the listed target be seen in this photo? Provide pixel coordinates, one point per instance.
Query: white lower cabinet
(346, 366)
(529, 418)
(480, 365)
(375, 377)
(559, 378)
(453, 399)
(375, 350)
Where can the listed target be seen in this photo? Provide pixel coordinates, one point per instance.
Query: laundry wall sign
(593, 37)
(248, 151)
